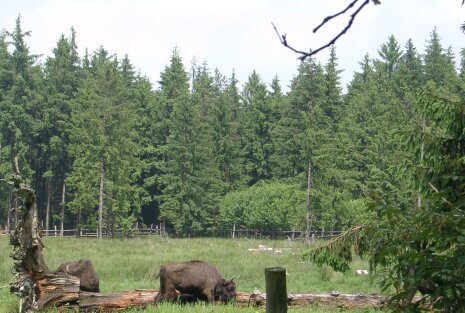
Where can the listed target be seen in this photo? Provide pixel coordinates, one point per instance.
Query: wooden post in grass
(276, 291)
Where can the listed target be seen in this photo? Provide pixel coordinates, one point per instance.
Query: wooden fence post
(276, 290)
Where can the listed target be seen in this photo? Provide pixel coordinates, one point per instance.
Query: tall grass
(127, 264)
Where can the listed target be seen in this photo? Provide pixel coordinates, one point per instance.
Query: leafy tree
(265, 206)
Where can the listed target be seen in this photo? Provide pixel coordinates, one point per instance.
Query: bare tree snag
(35, 285)
(27, 246)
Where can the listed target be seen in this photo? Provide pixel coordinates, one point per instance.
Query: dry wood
(306, 299)
(35, 286)
(55, 290)
(141, 298)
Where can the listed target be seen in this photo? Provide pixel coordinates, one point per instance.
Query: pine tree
(189, 178)
(103, 148)
(145, 103)
(255, 130)
(21, 105)
(439, 66)
(6, 81)
(21, 110)
(62, 81)
(390, 54)
(226, 140)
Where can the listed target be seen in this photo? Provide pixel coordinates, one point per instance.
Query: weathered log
(141, 298)
(57, 289)
(306, 299)
(138, 298)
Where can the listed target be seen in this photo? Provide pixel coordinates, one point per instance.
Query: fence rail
(156, 230)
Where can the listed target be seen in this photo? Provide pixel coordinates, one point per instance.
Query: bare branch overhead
(304, 54)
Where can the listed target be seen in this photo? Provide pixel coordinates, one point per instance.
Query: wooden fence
(157, 230)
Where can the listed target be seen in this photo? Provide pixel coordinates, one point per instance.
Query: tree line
(104, 148)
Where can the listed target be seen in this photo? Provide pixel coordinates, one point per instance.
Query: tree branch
(328, 18)
(303, 54)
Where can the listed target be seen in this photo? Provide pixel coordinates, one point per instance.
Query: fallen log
(141, 298)
(56, 290)
(306, 299)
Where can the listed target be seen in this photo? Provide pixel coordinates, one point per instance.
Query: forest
(201, 153)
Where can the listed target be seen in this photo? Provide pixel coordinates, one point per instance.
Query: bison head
(225, 290)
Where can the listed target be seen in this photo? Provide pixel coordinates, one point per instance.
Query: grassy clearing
(126, 264)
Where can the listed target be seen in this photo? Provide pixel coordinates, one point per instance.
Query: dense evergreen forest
(199, 152)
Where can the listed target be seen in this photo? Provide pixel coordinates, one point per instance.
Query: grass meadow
(127, 264)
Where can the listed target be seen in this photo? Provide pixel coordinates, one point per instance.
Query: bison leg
(210, 295)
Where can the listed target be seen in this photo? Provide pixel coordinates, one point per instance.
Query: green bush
(265, 206)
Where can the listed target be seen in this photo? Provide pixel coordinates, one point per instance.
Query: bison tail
(161, 293)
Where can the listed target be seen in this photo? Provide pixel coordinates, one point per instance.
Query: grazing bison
(84, 270)
(194, 280)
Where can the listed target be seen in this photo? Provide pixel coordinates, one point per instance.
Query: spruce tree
(439, 66)
(255, 129)
(62, 81)
(103, 148)
(21, 111)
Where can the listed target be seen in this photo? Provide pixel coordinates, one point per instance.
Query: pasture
(127, 264)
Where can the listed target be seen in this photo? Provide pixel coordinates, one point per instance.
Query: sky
(234, 35)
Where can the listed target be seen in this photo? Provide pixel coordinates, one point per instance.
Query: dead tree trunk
(35, 286)
(27, 252)
(62, 215)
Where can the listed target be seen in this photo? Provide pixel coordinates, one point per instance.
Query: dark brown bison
(84, 270)
(192, 281)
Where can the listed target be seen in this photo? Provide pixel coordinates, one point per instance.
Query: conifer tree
(21, 110)
(226, 139)
(103, 148)
(21, 105)
(439, 66)
(189, 181)
(144, 99)
(6, 81)
(62, 81)
(255, 130)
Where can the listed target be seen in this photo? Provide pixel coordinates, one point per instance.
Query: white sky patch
(232, 34)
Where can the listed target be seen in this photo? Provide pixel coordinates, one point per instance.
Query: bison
(84, 270)
(192, 281)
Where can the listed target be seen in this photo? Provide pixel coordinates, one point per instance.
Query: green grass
(127, 264)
